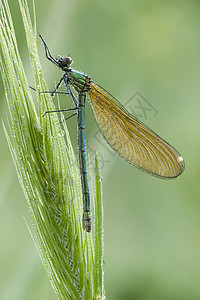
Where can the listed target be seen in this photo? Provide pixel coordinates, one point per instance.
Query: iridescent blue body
(83, 163)
(80, 82)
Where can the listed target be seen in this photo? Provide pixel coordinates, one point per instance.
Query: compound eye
(65, 61)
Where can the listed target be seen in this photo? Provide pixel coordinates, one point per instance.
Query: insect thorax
(79, 80)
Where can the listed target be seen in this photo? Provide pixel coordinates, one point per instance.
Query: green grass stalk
(48, 172)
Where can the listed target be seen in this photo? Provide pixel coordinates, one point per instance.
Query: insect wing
(131, 139)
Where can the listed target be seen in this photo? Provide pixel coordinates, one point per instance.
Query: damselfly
(128, 136)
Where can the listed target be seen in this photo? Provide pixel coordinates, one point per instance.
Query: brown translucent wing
(131, 139)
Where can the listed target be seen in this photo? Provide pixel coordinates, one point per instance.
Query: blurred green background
(144, 53)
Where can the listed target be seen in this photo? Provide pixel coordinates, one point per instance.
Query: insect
(128, 136)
